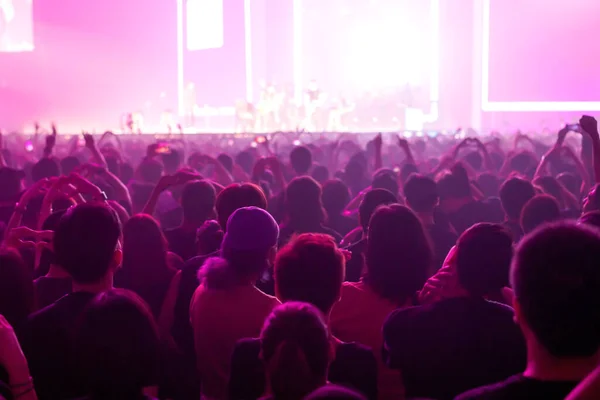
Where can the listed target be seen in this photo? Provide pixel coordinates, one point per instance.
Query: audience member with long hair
(146, 268)
(296, 351)
(398, 256)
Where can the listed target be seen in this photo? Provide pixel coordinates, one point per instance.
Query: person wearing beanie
(227, 306)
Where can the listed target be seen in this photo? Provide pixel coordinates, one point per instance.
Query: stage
(378, 65)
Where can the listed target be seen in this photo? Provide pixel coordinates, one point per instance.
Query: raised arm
(91, 145)
(166, 182)
(378, 142)
(120, 190)
(36, 189)
(222, 176)
(589, 125)
(405, 147)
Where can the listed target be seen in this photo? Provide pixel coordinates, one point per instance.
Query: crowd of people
(460, 267)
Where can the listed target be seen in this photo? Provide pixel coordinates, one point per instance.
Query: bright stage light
(518, 106)
(372, 46)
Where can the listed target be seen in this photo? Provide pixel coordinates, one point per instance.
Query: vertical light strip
(476, 120)
(248, 49)
(485, 55)
(297, 50)
(180, 100)
(434, 62)
(434, 94)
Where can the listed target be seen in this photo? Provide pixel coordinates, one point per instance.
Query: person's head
(310, 269)
(406, 171)
(16, 288)
(483, 256)
(556, 280)
(398, 253)
(385, 179)
(198, 201)
(591, 219)
(524, 163)
(333, 392)
(144, 247)
(236, 196)
(336, 196)
(539, 210)
(301, 160)
(296, 350)
(489, 183)
(451, 187)
(245, 160)
(150, 171)
(47, 167)
(86, 243)
(68, 164)
(514, 194)
(226, 161)
(372, 200)
(421, 193)
(303, 201)
(320, 173)
(117, 345)
(248, 248)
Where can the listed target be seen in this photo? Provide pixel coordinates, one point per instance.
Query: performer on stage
(190, 104)
(314, 115)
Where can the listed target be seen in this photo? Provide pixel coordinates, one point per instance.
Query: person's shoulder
(504, 390)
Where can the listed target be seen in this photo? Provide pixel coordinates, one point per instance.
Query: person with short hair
(539, 210)
(117, 361)
(227, 306)
(556, 282)
(308, 269)
(301, 160)
(465, 339)
(304, 210)
(86, 246)
(514, 194)
(398, 256)
(422, 197)
(458, 202)
(198, 204)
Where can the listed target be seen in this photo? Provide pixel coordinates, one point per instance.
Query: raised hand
(589, 126)
(378, 141)
(402, 143)
(89, 140)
